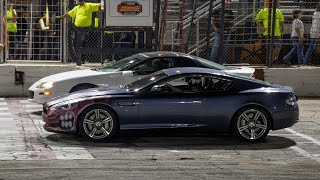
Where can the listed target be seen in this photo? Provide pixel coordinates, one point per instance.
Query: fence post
(221, 45)
(1, 33)
(198, 35)
(274, 11)
(209, 29)
(157, 26)
(65, 37)
(78, 45)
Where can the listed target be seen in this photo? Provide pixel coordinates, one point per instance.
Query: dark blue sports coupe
(176, 98)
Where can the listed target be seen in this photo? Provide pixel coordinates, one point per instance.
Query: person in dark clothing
(38, 38)
(228, 29)
(22, 27)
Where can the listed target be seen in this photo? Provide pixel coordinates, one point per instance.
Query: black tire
(105, 125)
(82, 87)
(251, 124)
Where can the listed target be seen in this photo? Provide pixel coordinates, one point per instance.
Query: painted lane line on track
(70, 149)
(305, 153)
(302, 151)
(315, 141)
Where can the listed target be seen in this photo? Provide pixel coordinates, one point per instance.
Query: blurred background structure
(179, 25)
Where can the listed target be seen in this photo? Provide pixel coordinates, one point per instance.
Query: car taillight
(292, 100)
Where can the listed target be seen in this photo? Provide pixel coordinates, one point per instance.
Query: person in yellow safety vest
(82, 15)
(11, 17)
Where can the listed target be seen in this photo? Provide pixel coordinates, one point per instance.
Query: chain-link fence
(30, 30)
(247, 34)
(191, 26)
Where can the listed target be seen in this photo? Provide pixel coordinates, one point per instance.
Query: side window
(152, 65)
(217, 84)
(184, 62)
(185, 84)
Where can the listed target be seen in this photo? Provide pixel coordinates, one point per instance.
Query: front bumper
(36, 95)
(60, 122)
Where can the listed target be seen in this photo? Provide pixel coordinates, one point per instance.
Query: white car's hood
(73, 75)
(241, 70)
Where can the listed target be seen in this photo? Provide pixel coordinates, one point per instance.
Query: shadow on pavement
(178, 141)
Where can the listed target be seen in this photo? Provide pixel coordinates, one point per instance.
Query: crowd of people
(262, 21)
(15, 29)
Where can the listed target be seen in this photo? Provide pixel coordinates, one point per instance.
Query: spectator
(263, 25)
(296, 38)
(82, 14)
(38, 39)
(228, 29)
(314, 35)
(22, 28)
(11, 16)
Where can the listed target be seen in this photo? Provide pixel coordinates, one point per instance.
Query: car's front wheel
(97, 123)
(252, 124)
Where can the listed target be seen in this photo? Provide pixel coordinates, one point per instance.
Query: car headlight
(64, 105)
(45, 85)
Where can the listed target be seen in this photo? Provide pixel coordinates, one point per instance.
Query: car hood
(74, 75)
(241, 70)
(95, 92)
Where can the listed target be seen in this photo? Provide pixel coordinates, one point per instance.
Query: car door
(167, 109)
(219, 103)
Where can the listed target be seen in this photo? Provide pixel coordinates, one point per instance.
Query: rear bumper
(285, 117)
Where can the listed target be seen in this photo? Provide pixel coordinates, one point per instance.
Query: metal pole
(274, 10)
(1, 32)
(157, 25)
(65, 34)
(181, 25)
(191, 25)
(268, 36)
(198, 35)
(209, 29)
(221, 46)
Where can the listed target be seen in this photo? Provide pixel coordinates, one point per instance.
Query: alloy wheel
(98, 124)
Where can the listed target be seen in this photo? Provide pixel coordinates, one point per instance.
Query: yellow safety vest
(11, 25)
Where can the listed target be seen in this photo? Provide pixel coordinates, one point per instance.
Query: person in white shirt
(296, 38)
(314, 35)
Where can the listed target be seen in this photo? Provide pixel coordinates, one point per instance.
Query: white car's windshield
(121, 64)
(210, 64)
(136, 85)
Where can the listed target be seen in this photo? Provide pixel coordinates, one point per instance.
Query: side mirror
(156, 88)
(127, 73)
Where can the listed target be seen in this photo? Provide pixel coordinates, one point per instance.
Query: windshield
(121, 64)
(210, 64)
(136, 85)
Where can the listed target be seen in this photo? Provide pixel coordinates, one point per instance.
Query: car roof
(192, 70)
(162, 54)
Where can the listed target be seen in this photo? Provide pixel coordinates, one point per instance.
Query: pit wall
(15, 79)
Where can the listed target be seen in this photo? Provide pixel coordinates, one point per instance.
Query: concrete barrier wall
(32, 73)
(305, 80)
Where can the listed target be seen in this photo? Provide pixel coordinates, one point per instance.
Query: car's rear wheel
(97, 123)
(252, 124)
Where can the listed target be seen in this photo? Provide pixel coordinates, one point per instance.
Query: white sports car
(121, 72)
